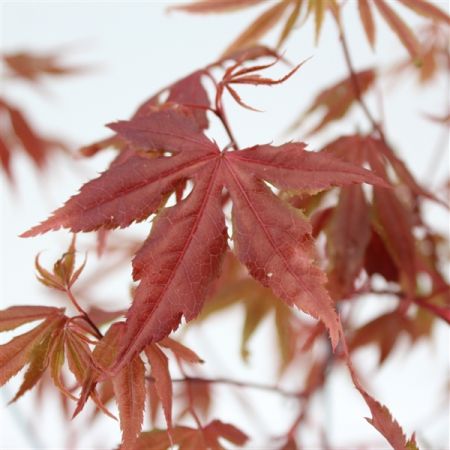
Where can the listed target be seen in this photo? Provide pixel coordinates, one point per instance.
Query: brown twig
(241, 384)
(83, 313)
(354, 78)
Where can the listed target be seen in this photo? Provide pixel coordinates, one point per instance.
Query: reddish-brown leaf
(15, 354)
(5, 157)
(188, 92)
(180, 351)
(57, 358)
(206, 438)
(182, 256)
(395, 224)
(384, 331)
(257, 29)
(336, 100)
(400, 28)
(33, 67)
(39, 359)
(427, 9)
(129, 390)
(365, 12)
(290, 22)
(381, 418)
(15, 316)
(378, 260)
(163, 383)
(32, 143)
(349, 235)
(128, 385)
(274, 242)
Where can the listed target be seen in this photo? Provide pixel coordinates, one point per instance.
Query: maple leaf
(435, 55)
(384, 331)
(337, 100)
(33, 68)
(392, 217)
(398, 26)
(19, 135)
(64, 274)
(128, 385)
(278, 252)
(204, 438)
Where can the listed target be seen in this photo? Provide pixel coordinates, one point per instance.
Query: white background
(134, 49)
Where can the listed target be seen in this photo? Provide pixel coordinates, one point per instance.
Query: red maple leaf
(183, 254)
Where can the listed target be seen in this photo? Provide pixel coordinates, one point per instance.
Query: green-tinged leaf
(39, 359)
(15, 354)
(15, 316)
(57, 358)
(290, 22)
(255, 311)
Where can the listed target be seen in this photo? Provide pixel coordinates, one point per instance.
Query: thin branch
(241, 384)
(219, 111)
(356, 87)
(83, 313)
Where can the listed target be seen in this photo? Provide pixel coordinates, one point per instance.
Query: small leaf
(15, 354)
(180, 350)
(129, 389)
(427, 9)
(15, 316)
(257, 29)
(365, 12)
(401, 29)
(337, 100)
(381, 419)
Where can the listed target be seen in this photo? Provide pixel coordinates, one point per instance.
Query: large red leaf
(182, 256)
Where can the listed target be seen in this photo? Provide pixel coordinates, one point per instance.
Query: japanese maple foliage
(280, 230)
